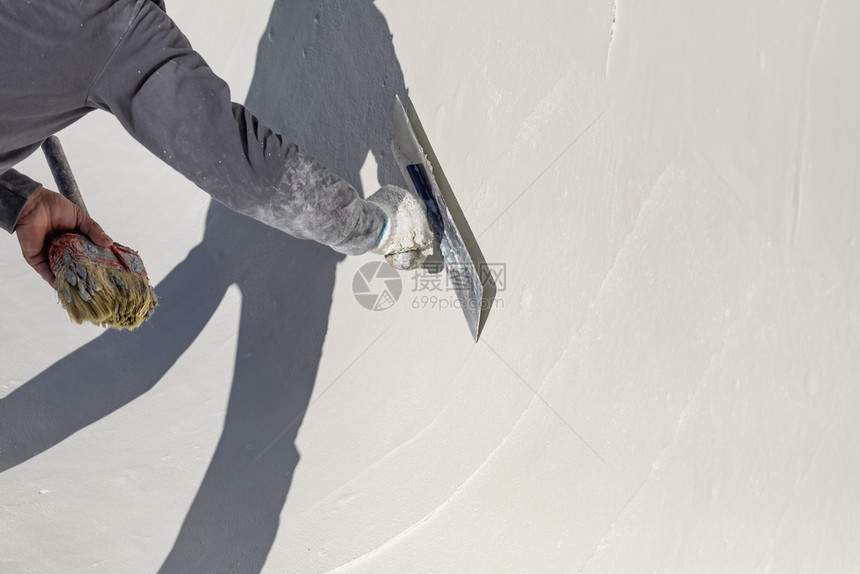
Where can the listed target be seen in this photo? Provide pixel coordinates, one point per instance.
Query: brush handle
(62, 171)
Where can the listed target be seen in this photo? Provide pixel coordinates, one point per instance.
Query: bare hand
(46, 216)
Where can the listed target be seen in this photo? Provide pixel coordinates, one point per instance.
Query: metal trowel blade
(462, 275)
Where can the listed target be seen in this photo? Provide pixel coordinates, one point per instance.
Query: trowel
(463, 277)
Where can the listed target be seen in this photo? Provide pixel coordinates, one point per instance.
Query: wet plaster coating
(667, 381)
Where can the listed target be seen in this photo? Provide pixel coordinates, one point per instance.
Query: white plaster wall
(669, 379)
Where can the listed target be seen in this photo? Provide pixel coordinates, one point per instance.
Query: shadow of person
(326, 75)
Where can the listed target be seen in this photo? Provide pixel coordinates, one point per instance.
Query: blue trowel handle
(416, 172)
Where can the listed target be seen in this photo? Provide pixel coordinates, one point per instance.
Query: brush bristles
(106, 296)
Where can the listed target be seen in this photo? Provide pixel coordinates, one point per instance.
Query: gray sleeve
(15, 189)
(167, 98)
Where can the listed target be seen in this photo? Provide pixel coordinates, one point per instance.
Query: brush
(107, 286)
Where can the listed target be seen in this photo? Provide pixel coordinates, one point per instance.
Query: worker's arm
(167, 98)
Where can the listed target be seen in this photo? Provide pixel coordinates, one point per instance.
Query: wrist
(16, 191)
(36, 199)
(382, 233)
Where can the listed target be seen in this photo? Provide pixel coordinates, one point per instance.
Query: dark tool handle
(418, 180)
(62, 171)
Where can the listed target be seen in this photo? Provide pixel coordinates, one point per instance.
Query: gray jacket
(59, 60)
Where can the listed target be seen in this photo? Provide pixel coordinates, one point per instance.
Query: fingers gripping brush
(107, 286)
